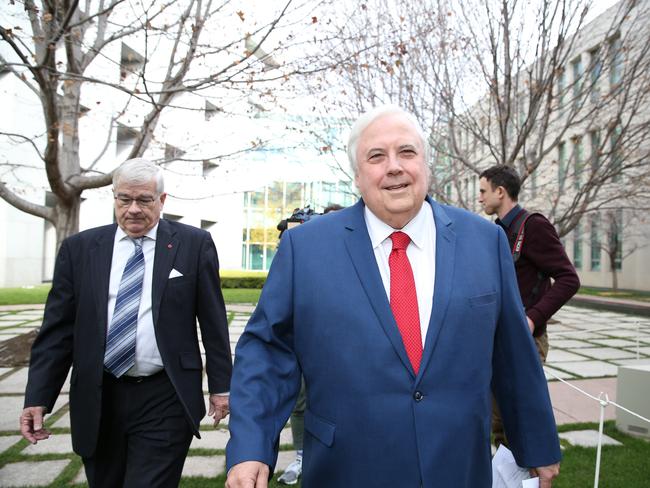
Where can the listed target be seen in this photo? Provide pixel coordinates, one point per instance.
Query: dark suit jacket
(75, 322)
(370, 421)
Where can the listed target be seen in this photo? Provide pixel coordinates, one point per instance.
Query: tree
(536, 86)
(625, 233)
(561, 100)
(376, 52)
(190, 47)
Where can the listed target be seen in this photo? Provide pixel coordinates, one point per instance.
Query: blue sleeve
(266, 375)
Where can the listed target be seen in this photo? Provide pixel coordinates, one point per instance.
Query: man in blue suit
(403, 315)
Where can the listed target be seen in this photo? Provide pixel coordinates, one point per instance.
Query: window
(208, 167)
(615, 61)
(533, 184)
(577, 71)
(125, 139)
(130, 62)
(577, 246)
(578, 162)
(561, 88)
(615, 154)
(595, 68)
(562, 165)
(594, 143)
(210, 110)
(264, 208)
(172, 152)
(207, 225)
(595, 243)
(474, 192)
(616, 238)
(172, 217)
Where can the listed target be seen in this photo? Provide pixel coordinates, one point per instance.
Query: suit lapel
(166, 248)
(101, 252)
(360, 249)
(445, 266)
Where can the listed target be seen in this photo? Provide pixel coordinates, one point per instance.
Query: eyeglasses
(142, 202)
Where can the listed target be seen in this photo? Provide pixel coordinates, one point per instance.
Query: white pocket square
(174, 274)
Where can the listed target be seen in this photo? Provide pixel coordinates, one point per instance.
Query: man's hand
(249, 474)
(531, 325)
(546, 474)
(31, 424)
(218, 407)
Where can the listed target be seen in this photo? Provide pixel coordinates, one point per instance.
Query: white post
(603, 404)
(638, 337)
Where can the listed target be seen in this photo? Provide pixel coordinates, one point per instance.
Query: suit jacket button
(418, 396)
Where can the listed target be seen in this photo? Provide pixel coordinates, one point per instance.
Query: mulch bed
(15, 351)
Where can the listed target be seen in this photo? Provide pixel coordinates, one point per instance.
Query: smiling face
(137, 207)
(392, 174)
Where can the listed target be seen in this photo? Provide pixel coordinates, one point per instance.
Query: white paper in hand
(506, 473)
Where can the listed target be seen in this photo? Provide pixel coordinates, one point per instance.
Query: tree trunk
(612, 267)
(67, 220)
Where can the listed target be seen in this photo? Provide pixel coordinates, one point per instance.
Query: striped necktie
(120, 343)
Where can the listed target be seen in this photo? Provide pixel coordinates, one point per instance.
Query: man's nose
(394, 164)
(133, 207)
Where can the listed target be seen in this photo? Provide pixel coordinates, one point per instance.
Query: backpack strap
(517, 230)
(519, 233)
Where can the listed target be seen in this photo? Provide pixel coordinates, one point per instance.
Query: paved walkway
(587, 346)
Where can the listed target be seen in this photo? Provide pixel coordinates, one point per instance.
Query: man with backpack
(538, 254)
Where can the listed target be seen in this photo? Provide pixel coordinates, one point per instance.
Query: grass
(24, 295)
(37, 295)
(241, 295)
(609, 293)
(621, 467)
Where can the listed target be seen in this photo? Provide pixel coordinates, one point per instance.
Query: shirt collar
(509, 217)
(379, 231)
(120, 234)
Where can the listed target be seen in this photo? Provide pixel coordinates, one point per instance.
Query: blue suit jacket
(370, 421)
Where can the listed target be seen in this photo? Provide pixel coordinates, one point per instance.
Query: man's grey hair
(369, 117)
(139, 171)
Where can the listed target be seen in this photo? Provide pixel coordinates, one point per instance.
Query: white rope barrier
(604, 401)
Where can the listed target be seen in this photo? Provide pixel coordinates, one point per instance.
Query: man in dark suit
(122, 312)
(539, 257)
(402, 321)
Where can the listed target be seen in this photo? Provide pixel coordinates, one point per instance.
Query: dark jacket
(542, 252)
(74, 326)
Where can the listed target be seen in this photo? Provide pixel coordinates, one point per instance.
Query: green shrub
(242, 279)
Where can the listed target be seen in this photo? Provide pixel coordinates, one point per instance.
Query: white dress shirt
(147, 355)
(421, 252)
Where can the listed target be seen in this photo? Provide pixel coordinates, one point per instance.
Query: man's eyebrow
(408, 146)
(126, 195)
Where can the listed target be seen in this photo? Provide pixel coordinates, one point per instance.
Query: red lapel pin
(169, 246)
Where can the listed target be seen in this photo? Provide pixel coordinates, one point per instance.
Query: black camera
(299, 216)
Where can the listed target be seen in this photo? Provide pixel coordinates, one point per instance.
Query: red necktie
(403, 298)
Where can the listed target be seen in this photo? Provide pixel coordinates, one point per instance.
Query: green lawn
(609, 293)
(621, 467)
(25, 295)
(37, 294)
